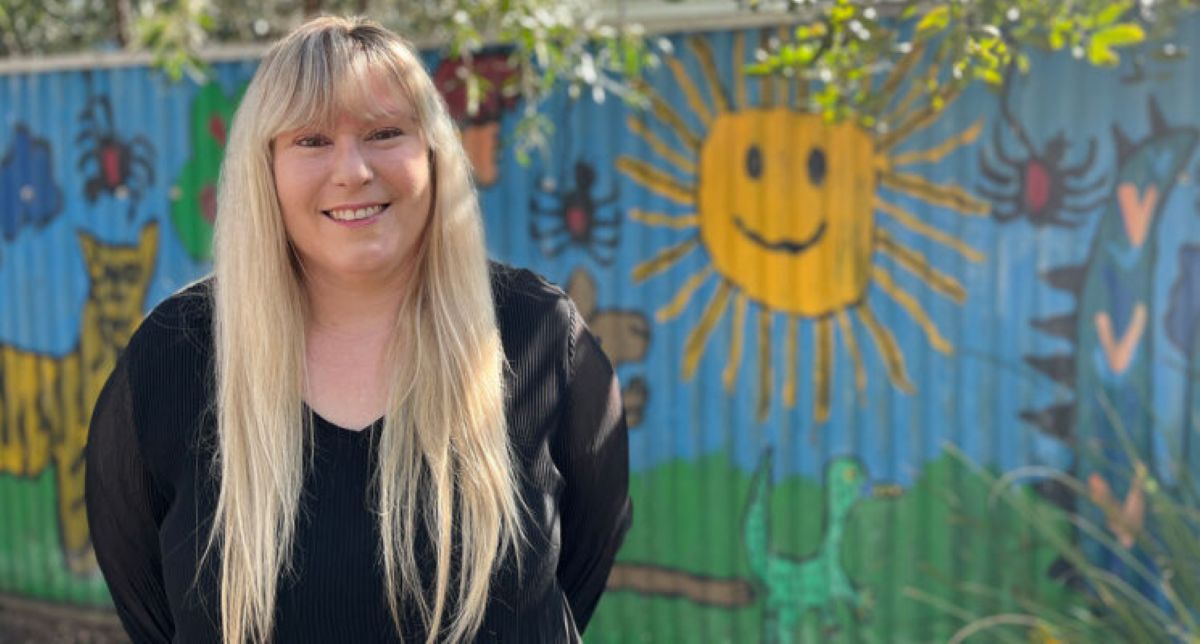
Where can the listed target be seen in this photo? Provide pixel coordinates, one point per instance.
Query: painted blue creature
(1111, 369)
(29, 197)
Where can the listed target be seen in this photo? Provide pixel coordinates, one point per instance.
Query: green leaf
(758, 69)
(1121, 35)
(934, 21)
(1023, 63)
(1112, 13)
(1057, 39)
(842, 14)
(989, 76)
(1101, 55)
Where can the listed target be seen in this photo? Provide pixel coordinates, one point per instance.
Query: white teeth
(353, 214)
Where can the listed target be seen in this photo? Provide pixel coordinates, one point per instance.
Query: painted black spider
(123, 169)
(573, 219)
(1037, 184)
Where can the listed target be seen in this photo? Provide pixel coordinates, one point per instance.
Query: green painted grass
(31, 558)
(940, 538)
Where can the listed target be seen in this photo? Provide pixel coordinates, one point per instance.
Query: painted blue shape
(1183, 311)
(1120, 300)
(28, 194)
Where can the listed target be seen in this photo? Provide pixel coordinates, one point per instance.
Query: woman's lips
(355, 216)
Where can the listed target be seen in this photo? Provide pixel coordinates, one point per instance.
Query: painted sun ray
(914, 92)
(916, 263)
(729, 377)
(822, 369)
(765, 377)
(938, 152)
(886, 343)
(657, 180)
(669, 116)
(945, 195)
(918, 120)
(693, 347)
(745, 149)
(661, 220)
(708, 65)
(699, 107)
(860, 373)
(664, 150)
(739, 79)
(913, 307)
(683, 296)
(901, 70)
(790, 364)
(914, 223)
(664, 259)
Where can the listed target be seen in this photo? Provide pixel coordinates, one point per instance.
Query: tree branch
(121, 16)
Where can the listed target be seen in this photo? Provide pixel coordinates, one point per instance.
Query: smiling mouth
(355, 214)
(785, 245)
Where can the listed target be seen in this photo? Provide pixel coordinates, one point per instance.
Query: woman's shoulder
(524, 297)
(180, 323)
(509, 282)
(535, 317)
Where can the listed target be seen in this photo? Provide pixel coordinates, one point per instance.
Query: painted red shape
(110, 165)
(208, 203)
(577, 221)
(216, 127)
(1037, 186)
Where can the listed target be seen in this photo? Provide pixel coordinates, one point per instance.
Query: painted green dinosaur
(793, 587)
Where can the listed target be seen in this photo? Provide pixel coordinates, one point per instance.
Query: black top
(151, 492)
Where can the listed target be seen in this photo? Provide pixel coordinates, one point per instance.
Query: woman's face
(355, 195)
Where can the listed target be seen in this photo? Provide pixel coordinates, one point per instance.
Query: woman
(357, 429)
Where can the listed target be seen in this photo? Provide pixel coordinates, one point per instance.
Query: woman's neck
(347, 339)
(352, 307)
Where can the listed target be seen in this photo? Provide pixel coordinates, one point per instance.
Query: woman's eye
(386, 133)
(310, 141)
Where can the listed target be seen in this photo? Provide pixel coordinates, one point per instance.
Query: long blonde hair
(443, 446)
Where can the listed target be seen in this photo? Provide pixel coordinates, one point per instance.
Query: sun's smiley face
(788, 207)
(785, 208)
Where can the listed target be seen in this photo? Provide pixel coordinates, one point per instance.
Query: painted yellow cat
(46, 401)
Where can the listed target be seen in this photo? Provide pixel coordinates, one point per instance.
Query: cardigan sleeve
(123, 510)
(595, 510)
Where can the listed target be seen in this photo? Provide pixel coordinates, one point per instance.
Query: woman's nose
(351, 166)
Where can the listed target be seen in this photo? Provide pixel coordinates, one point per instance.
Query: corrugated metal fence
(809, 320)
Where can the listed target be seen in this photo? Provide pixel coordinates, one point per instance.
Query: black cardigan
(151, 492)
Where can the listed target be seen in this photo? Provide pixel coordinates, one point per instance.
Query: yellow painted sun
(785, 203)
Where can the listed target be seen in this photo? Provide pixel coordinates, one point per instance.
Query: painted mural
(111, 162)
(194, 197)
(827, 333)
(31, 196)
(1037, 182)
(785, 205)
(478, 117)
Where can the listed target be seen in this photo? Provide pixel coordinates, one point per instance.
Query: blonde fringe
(444, 440)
